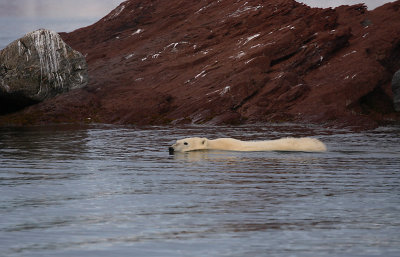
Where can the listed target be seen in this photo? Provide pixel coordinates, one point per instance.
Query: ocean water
(104, 190)
(115, 191)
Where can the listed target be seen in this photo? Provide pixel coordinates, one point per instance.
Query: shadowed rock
(36, 67)
(396, 90)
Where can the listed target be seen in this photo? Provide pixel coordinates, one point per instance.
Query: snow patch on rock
(115, 13)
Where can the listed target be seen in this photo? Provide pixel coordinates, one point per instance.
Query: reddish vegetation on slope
(156, 62)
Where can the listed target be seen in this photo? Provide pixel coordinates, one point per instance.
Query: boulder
(36, 67)
(396, 90)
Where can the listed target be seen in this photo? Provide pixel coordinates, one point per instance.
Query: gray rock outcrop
(38, 66)
(396, 90)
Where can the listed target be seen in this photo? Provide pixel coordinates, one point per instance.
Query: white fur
(303, 144)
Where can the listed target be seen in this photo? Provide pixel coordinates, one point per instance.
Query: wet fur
(304, 144)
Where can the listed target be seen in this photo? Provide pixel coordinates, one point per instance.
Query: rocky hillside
(232, 61)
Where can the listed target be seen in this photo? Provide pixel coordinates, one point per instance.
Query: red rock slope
(229, 61)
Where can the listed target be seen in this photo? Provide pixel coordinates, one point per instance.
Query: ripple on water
(102, 190)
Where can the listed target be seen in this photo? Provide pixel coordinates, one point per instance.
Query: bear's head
(189, 144)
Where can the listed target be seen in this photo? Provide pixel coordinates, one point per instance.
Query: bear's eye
(186, 143)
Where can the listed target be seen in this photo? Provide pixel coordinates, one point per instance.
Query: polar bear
(303, 144)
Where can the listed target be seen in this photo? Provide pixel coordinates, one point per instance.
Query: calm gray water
(115, 191)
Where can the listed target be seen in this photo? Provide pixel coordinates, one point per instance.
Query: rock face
(233, 61)
(396, 90)
(36, 67)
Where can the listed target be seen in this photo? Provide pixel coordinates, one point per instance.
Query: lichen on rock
(36, 67)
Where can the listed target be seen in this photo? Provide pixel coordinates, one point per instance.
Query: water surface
(115, 191)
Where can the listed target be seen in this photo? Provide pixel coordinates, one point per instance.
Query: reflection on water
(107, 190)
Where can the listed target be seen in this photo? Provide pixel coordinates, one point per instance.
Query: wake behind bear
(302, 144)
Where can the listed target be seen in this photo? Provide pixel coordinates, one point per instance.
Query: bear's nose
(171, 150)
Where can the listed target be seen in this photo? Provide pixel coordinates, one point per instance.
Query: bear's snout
(171, 150)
